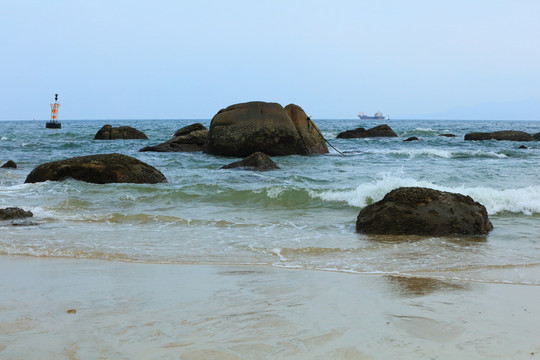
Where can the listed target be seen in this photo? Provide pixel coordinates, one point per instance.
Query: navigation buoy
(54, 123)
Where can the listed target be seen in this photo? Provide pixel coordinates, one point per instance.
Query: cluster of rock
(243, 129)
(253, 130)
(385, 131)
(257, 130)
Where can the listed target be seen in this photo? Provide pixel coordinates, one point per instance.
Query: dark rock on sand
(510, 135)
(188, 138)
(107, 132)
(423, 211)
(14, 213)
(378, 131)
(447, 135)
(412, 138)
(9, 164)
(242, 129)
(98, 169)
(257, 161)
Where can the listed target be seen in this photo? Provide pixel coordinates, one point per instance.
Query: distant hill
(520, 110)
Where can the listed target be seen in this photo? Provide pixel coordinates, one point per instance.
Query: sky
(176, 59)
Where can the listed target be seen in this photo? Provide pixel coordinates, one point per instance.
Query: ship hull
(364, 117)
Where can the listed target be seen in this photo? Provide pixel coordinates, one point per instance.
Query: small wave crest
(419, 131)
(440, 153)
(521, 200)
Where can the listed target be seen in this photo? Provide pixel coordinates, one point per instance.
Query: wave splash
(520, 200)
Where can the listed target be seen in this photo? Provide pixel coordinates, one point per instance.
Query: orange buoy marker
(54, 123)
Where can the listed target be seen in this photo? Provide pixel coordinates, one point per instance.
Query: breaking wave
(519, 200)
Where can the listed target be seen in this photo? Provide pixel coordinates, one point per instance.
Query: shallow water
(302, 216)
(228, 264)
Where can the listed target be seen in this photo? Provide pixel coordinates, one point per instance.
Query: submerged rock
(98, 169)
(412, 138)
(447, 135)
(257, 161)
(107, 132)
(378, 131)
(188, 138)
(9, 164)
(423, 211)
(510, 135)
(14, 213)
(242, 129)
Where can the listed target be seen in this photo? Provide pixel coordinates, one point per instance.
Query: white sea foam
(275, 192)
(446, 154)
(520, 200)
(523, 200)
(420, 152)
(420, 131)
(3, 138)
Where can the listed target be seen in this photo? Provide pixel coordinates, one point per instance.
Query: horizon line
(332, 119)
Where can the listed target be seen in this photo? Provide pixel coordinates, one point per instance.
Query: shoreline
(56, 308)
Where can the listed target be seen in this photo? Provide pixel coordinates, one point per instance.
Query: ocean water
(299, 217)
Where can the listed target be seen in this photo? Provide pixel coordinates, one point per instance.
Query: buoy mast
(54, 123)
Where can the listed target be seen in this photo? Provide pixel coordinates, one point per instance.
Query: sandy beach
(92, 309)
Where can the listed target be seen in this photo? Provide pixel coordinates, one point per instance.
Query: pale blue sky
(168, 59)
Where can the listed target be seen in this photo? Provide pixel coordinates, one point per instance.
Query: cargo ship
(377, 116)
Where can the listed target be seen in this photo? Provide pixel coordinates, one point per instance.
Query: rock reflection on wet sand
(419, 286)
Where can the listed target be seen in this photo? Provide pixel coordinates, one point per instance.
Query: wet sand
(84, 309)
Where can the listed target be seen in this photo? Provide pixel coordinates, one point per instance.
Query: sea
(242, 265)
(301, 216)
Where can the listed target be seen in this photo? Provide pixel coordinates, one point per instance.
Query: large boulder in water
(188, 138)
(242, 129)
(107, 132)
(536, 136)
(257, 161)
(98, 169)
(510, 135)
(423, 211)
(378, 131)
